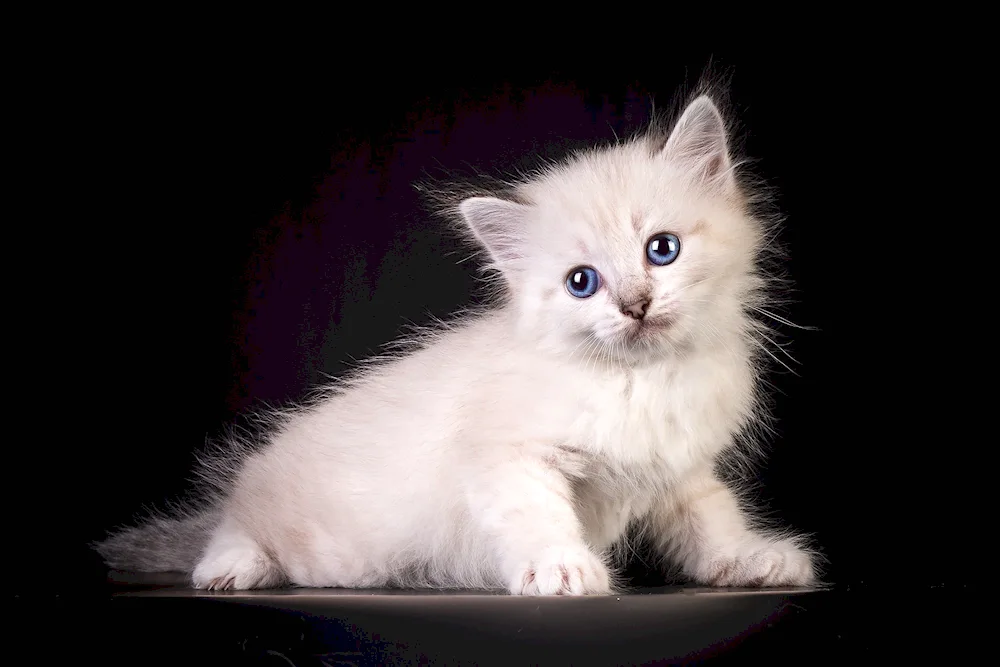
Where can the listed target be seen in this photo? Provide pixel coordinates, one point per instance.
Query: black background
(207, 233)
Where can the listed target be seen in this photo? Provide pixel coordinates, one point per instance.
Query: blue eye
(662, 249)
(582, 282)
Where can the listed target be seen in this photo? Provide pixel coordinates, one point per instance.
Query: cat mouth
(645, 330)
(657, 322)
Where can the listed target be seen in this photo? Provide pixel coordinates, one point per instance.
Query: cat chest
(670, 420)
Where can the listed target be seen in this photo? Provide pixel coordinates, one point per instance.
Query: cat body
(516, 446)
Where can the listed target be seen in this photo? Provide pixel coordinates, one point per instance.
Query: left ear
(698, 143)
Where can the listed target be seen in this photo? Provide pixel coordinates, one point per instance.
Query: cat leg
(525, 505)
(701, 526)
(233, 560)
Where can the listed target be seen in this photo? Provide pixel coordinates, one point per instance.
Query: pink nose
(637, 310)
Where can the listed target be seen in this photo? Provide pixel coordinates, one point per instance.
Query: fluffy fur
(515, 447)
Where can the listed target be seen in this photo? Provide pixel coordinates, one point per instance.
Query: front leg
(701, 526)
(525, 506)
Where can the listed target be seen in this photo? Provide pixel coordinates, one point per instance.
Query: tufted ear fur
(698, 144)
(498, 225)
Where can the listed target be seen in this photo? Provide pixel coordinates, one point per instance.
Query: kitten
(515, 447)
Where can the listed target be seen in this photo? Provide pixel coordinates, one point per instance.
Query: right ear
(498, 225)
(698, 143)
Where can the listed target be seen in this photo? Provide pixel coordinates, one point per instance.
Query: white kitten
(516, 447)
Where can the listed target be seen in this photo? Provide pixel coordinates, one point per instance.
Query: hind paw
(766, 563)
(235, 569)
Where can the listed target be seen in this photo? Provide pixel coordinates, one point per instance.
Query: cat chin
(641, 346)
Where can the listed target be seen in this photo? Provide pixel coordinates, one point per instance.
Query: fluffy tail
(161, 544)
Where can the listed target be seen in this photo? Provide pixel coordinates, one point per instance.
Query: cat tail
(161, 543)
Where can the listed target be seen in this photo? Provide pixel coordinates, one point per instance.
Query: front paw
(562, 571)
(758, 563)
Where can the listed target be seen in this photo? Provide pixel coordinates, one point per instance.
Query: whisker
(780, 347)
(689, 286)
(772, 355)
(784, 321)
(585, 340)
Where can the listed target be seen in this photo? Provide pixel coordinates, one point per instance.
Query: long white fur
(516, 446)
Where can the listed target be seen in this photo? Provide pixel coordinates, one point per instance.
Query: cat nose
(637, 310)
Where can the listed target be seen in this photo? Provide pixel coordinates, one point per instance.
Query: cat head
(631, 251)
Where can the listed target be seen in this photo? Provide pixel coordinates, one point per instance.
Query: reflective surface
(157, 619)
(337, 626)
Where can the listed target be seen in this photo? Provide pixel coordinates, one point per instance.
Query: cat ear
(497, 224)
(698, 142)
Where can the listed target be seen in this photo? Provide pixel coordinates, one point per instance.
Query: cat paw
(235, 569)
(562, 571)
(764, 563)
